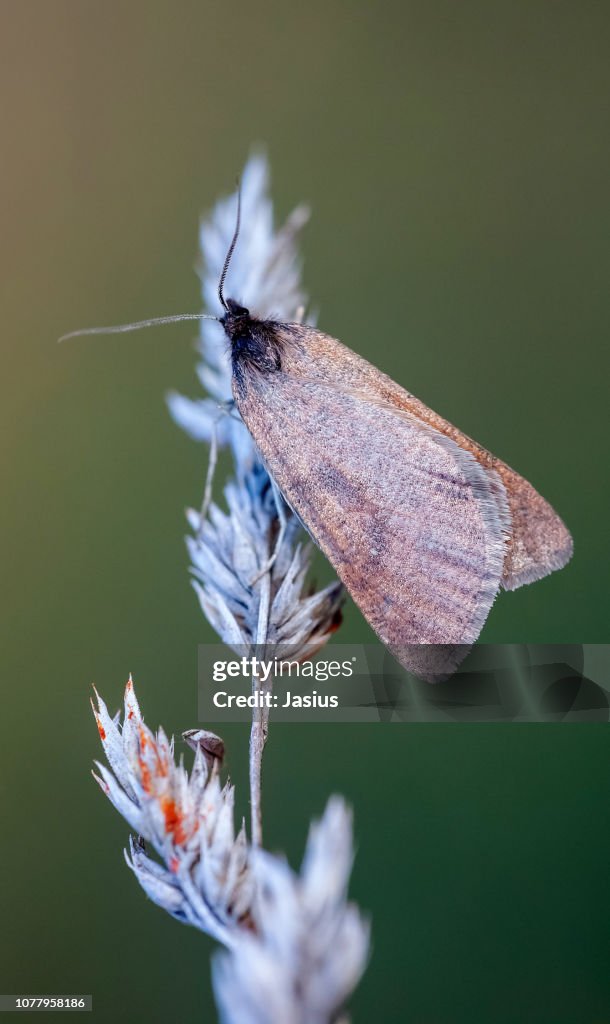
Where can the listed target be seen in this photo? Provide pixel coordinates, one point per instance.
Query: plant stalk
(260, 717)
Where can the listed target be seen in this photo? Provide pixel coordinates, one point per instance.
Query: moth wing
(539, 541)
(413, 525)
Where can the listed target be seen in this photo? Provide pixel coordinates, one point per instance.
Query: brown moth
(421, 523)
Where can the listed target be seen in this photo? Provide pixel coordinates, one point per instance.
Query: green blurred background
(456, 159)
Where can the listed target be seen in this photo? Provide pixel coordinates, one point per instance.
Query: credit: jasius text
(263, 669)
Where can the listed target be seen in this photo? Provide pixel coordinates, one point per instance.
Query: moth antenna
(137, 324)
(230, 249)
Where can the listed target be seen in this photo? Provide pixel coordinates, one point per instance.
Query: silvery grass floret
(310, 946)
(249, 566)
(264, 275)
(204, 878)
(228, 550)
(295, 948)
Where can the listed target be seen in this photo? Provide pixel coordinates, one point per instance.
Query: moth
(422, 524)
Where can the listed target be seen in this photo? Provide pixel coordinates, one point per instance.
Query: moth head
(236, 319)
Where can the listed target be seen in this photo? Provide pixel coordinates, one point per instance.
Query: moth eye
(236, 309)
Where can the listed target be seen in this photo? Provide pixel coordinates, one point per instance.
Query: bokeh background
(455, 157)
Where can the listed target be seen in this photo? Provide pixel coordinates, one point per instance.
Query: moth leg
(280, 506)
(225, 410)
